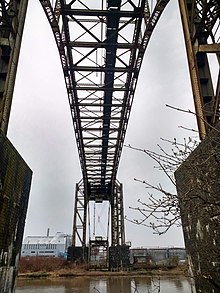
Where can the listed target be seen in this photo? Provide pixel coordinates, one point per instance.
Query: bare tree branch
(191, 112)
(161, 210)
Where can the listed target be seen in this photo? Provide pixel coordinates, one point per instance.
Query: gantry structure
(101, 46)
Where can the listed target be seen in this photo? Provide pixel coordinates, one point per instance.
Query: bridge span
(101, 47)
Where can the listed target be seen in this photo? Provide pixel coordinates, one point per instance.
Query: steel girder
(101, 46)
(12, 18)
(201, 26)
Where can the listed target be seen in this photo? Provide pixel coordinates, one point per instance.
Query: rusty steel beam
(201, 22)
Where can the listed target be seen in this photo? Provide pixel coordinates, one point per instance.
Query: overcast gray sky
(41, 126)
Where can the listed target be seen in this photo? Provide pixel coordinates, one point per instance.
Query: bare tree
(161, 210)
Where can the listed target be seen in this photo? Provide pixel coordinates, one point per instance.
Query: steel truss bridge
(101, 46)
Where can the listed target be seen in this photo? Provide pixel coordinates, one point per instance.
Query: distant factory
(53, 246)
(57, 246)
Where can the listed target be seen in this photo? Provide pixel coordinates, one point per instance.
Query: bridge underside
(101, 46)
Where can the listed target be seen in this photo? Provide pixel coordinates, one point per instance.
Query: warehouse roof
(58, 238)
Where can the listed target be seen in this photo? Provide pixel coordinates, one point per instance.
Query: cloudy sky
(41, 126)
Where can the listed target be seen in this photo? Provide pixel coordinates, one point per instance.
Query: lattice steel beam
(101, 48)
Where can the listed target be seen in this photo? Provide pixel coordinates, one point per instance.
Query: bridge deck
(101, 46)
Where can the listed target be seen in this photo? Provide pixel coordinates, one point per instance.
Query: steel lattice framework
(101, 47)
(201, 26)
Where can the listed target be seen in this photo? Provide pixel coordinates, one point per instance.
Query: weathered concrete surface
(15, 181)
(198, 188)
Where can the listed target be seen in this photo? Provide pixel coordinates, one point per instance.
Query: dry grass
(53, 267)
(45, 264)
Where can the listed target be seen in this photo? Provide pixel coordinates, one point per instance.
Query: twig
(191, 112)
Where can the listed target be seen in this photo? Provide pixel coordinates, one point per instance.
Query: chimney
(48, 232)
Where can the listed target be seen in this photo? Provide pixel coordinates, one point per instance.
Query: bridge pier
(88, 248)
(15, 181)
(198, 187)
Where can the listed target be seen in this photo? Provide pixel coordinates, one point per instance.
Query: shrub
(40, 263)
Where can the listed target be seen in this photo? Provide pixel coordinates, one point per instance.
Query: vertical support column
(197, 95)
(15, 175)
(11, 30)
(117, 215)
(200, 22)
(78, 252)
(80, 216)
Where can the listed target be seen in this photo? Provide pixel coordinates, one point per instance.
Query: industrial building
(57, 246)
(157, 256)
(50, 246)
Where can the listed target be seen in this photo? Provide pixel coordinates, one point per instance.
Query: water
(142, 284)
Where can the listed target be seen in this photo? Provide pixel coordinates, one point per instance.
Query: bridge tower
(15, 175)
(197, 178)
(101, 46)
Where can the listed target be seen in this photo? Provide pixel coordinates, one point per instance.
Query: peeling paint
(199, 234)
(198, 264)
(207, 228)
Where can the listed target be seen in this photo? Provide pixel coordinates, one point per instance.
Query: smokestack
(48, 232)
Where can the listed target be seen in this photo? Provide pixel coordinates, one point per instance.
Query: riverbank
(71, 273)
(44, 267)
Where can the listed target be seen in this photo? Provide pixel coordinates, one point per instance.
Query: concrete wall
(198, 188)
(15, 181)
